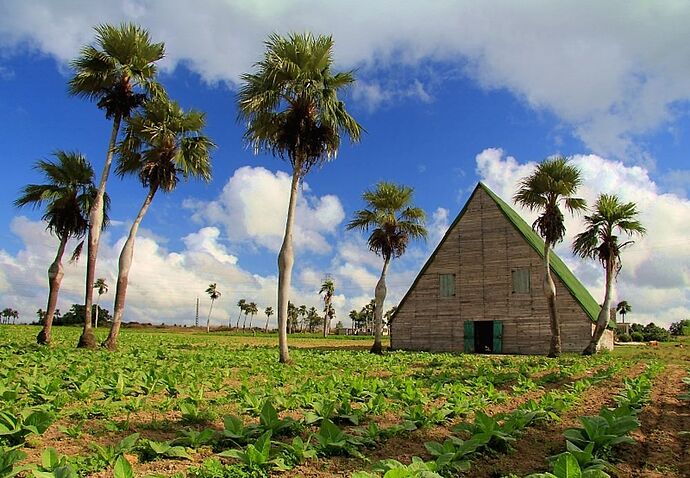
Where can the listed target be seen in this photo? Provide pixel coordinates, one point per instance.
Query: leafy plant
(122, 468)
(566, 466)
(394, 469)
(269, 421)
(9, 457)
(256, 456)
(604, 431)
(110, 453)
(54, 465)
(196, 439)
(150, 450)
(15, 427)
(333, 441)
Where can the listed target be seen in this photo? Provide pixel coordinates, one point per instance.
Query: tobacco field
(213, 405)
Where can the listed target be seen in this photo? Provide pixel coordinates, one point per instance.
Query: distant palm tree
(292, 318)
(242, 304)
(117, 72)
(552, 183)
(291, 108)
(327, 289)
(600, 241)
(623, 308)
(214, 294)
(313, 319)
(253, 310)
(161, 143)
(393, 222)
(269, 312)
(68, 194)
(102, 288)
(9, 313)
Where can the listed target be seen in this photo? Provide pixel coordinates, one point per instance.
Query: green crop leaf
(122, 468)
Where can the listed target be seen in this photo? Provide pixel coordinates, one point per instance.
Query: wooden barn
(481, 290)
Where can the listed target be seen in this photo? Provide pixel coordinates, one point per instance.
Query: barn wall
(482, 250)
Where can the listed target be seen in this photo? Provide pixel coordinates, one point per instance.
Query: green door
(498, 337)
(469, 336)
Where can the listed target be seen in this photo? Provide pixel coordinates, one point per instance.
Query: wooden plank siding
(482, 249)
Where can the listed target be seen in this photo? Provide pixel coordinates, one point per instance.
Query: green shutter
(498, 337)
(446, 285)
(469, 336)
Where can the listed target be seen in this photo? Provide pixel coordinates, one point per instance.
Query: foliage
(75, 315)
(680, 328)
(567, 466)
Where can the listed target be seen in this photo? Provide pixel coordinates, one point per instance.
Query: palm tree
(68, 194)
(161, 143)
(553, 182)
(213, 293)
(623, 308)
(269, 312)
(393, 222)
(327, 289)
(116, 72)
(599, 241)
(102, 288)
(313, 318)
(291, 325)
(253, 309)
(242, 304)
(291, 108)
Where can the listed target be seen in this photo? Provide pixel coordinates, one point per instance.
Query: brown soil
(660, 451)
(542, 441)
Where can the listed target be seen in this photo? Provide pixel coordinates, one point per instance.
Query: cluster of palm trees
(291, 109)
(553, 185)
(8, 314)
(160, 144)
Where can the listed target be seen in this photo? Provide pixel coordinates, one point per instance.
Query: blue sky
(449, 93)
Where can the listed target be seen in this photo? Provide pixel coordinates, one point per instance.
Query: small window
(446, 285)
(521, 283)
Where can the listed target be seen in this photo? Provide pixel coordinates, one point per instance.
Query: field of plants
(214, 406)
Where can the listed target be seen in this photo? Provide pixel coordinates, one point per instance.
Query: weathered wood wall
(482, 250)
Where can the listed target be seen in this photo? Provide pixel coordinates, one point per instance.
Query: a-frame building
(481, 290)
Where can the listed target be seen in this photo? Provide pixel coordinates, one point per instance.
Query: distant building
(481, 290)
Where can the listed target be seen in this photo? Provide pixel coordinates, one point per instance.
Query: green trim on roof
(574, 286)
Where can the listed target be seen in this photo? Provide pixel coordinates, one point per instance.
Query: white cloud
(656, 269)
(252, 209)
(611, 70)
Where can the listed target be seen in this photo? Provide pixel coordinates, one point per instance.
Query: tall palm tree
(242, 304)
(554, 182)
(213, 293)
(68, 194)
(102, 288)
(117, 72)
(327, 289)
(269, 312)
(599, 241)
(253, 309)
(161, 143)
(291, 325)
(393, 222)
(291, 108)
(623, 308)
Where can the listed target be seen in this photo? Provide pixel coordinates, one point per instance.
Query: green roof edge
(558, 267)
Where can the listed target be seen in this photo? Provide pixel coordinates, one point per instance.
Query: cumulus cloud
(163, 284)
(610, 70)
(252, 209)
(656, 269)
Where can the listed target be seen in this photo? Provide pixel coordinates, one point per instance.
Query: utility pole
(196, 320)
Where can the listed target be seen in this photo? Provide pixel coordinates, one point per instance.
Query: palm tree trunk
(125, 265)
(550, 293)
(55, 275)
(286, 259)
(87, 339)
(604, 314)
(380, 297)
(251, 319)
(208, 319)
(267, 318)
